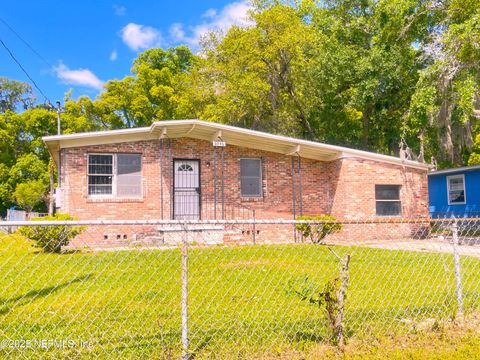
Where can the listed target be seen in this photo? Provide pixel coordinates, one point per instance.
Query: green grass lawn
(128, 303)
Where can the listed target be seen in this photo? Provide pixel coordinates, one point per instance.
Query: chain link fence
(239, 288)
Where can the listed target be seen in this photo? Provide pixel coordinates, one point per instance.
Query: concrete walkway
(436, 245)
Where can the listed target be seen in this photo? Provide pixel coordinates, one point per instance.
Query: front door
(186, 190)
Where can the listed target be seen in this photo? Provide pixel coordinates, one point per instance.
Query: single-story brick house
(192, 169)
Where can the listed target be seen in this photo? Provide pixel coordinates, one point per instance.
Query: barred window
(100, 174)
(387, 198)
(115, 174)
(251, 177)
(456, 189)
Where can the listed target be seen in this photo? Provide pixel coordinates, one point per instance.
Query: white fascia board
(344, 151)
(99, 137)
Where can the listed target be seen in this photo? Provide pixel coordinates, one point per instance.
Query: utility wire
(26, 43)
(25, 71)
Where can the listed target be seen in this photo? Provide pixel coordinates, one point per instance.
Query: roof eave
(236, 136)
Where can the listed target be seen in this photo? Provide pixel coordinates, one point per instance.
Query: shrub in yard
(317, 232)
(51, 238)
(326, 298)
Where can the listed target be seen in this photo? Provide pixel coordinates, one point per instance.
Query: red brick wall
(276, 172)
(352, 185)
(345, 187)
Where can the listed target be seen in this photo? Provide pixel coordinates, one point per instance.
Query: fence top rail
(241, 221)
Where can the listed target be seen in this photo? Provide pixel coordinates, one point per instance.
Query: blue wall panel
(438, 195)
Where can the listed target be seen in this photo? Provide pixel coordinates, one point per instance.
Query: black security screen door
(186, 193)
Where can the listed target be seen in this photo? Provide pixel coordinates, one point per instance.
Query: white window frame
(114, 195)
(462, 176)
(261, 178)
(399, 200)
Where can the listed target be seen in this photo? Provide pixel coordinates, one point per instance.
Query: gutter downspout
(161, 178)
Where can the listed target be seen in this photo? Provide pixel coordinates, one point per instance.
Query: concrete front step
(196, 234)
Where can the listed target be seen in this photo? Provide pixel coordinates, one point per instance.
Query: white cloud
(235, 13)
(114, 55)
(177, 32)
(119, 10)
(81, 77)
(210, 13)
(137, 36)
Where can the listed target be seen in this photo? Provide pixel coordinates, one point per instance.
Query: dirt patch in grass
(454, 340)
(254, 263)
(247, 263)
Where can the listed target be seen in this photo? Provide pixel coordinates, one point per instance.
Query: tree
(445, 101)
(30, 194)
(152, 93)
(14, 93)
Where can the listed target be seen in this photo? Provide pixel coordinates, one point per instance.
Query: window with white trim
(100, 174)
(387, 200)
(456, 189)
(251, 177)
(117, 175)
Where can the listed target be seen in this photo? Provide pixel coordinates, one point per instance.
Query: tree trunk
(366, 127)
(445, 134)
(338, 327)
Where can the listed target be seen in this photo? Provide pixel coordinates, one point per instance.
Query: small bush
(326, 298)
(317, 232)
(51, 238)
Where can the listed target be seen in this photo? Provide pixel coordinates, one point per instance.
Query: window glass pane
(250, 167)
(100, 164)
(99, 180)
(456, 193)
(387, 192)
(456, 190)
(129, 164)
(251, 177)
(185, 167)
(129, 179)
(456, 184)
(99, 185)
(388, 208)
(129, 185)
(456, 197)
(251, 187)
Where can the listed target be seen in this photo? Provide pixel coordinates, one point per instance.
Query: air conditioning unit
(58, 198)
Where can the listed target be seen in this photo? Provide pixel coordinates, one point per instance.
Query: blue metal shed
(455, 192)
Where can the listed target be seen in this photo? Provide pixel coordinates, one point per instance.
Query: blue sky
(86, 43)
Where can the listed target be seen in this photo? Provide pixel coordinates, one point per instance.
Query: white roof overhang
(232, 135)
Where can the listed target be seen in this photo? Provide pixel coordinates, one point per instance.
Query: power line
(25, 71)
(26, 43)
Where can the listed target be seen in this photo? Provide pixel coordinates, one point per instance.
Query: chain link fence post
(185, 345)
(456, 264)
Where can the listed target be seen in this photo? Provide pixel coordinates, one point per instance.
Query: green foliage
(474, 158)
(13, 94)
(94, 286)
(29, 194)
(153, 93)
(358, 73)
(317, 232)
(27, 167)
(51, 238)
(326, 298)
